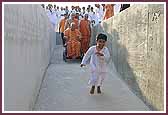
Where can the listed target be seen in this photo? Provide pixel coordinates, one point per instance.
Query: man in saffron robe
(74, 20)
(62, 27)
(109, 11)
(85, 30)
(73, 36)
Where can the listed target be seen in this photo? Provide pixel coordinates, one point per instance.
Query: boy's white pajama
(98, 65)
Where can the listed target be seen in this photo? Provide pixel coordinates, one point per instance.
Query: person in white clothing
(95, 19)
(99, 12)
(99, 56)
(89, 14)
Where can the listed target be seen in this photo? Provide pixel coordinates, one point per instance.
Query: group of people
(96, 12)
(75, 34)
(75, 25)
(75, 29)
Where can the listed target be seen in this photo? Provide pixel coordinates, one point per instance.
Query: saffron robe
(73, 44)
(109, 11)
(86, 34)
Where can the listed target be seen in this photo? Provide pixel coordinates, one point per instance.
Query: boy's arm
(87, 56)
(106, 54)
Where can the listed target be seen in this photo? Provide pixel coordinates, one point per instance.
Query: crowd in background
(74, 24)
(97, 12)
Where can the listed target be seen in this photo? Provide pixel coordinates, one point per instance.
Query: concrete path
(65, 88)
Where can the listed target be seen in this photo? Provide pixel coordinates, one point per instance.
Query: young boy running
(99, 55)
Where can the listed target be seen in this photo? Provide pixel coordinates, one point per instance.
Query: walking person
(85, 30)
(73, 37)
(109, 11)
(99, 56)
(62, 27)
(99, 12)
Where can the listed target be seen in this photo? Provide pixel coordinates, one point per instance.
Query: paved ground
(65, 89)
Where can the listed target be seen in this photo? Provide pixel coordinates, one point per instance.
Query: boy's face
(101, 43)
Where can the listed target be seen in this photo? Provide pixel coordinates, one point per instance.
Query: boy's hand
(99, 54)
(82, 65)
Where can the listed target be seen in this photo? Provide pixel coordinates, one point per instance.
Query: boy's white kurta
(98, 64)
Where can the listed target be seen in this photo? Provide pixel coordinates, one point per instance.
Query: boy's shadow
(119, 56)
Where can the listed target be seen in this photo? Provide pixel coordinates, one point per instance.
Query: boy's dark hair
(101, 36)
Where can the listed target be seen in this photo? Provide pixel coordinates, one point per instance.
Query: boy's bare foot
(98, 89)
(92, 90)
